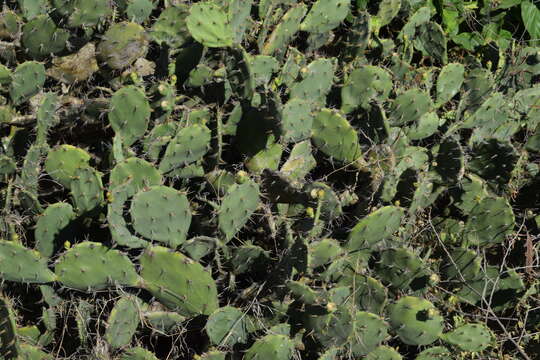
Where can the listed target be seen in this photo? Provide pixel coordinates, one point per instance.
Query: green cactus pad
(462, 265)
(494, 161)
(190, 144)
(409, 107)
(227, 327)
(450, 161)
(27, 80)
(123, 322)
(178, 282)
(134, 174)
(435, 353)
(237, 206)
(375, 227)
(297, 120)
(470, 337)
(138, 353)
(384, 353)
(324, 252)
(285, 31)
(49, 224)
(277, 347)
(8, 331)
(164, 322)
(400, 267)
(209, 25)
(161, 213)
(299, 163)
(325, 15)
(89, 13)
(23, 265)
(122, 44)
(335, 137)
(129, 113)
(64, 161)
(490, 221)
(87, 190)
(170, 28)
(364, 85)
(449, 82)
(91, 266)
(139, 10)
(41, 37)
(317, 80)
(416, 321)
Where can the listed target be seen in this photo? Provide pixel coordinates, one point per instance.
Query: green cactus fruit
(462, 265)
(8, 331)
(317, 80)
(123, 322)
(450, 163)
(162, 214)
(285, 31)
(178, 282)
(449, 82)
(334, 136)
(129, 113)
(76, 67)
(297, 120)
(139, 10)
(276, 347)
(299, 163)
(122, 44)
(87, 190)
(138, 353)
(402, 269)
(55, 218)
(170, 28)
(237, 206)
(190, 144)
(470, 337)
(377, 226)
(210, 25)
(325, 15)
(226, 327)
(164, 322)
(416, 321)
(90, 266)
(494, 160)
(364, 85)
(64, 161)
(324, 252)
(134, 174)
(435, 353)
(23, 265)
(489, 222)
(409, 107)
(384, 352)
(27, 80)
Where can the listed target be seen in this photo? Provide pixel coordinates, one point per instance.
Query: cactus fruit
(23, 265)
(178, 282)
(416, 321)
(90, 266)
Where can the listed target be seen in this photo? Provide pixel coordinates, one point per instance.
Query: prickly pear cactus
(269, 179)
